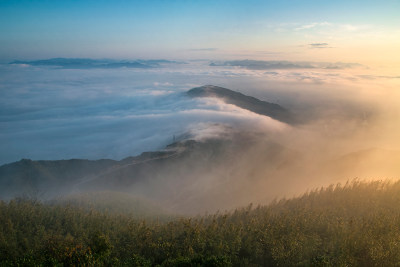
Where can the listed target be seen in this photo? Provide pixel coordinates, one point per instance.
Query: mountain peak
(250, 103)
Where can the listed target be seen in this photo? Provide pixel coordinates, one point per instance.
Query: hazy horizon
(346, 31)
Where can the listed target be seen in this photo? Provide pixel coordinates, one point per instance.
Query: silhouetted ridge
(87, 63)
(250, 103)
(47, 176)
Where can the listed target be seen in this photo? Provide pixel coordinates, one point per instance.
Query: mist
(348, 128)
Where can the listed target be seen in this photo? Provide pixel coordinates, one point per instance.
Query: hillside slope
(250, 103)
(356, 224)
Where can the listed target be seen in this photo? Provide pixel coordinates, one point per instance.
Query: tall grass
(356, 224)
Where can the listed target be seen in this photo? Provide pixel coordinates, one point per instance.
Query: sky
(366, 32)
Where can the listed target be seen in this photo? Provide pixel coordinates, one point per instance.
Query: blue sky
(194, 29)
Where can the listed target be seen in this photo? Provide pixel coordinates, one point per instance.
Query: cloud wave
(59, 114)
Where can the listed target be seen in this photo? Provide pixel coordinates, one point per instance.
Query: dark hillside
(27, 177)
(253, 104)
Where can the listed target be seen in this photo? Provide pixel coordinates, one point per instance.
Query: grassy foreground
(357, 224)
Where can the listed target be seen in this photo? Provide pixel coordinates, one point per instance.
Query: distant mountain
(285, 65)
(187, 176)
(52, 178)
(86, 63)
(48, 177)
(250, 103)
(28, 177)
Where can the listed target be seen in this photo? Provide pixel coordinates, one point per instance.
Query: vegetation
(357, 224)
(114, 203)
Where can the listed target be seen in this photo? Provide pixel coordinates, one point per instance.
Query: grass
(356, 224)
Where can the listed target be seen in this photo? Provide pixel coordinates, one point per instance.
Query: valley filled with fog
(208, 154)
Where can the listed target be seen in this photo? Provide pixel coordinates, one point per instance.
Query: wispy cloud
(352, 27)
(311, 25)
(328, 28)
(319, 45)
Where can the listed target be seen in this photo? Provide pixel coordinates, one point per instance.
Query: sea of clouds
(54, 113)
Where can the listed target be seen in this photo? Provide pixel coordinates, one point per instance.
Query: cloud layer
(60, 114)
(53, 113)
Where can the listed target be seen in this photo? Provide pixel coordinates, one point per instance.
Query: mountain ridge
(88, 63)
(250, 103)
